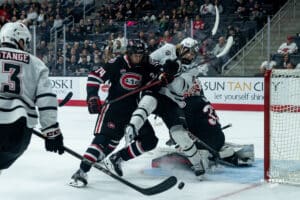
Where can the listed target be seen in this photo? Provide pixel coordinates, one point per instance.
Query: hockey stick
(161, 187)
(226, 126)
(151, 84)
(66, 99)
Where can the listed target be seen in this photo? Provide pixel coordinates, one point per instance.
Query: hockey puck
(180, 185)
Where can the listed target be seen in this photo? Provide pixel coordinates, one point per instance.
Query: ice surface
(39, 175)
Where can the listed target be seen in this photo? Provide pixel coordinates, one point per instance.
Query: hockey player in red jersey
(24, 85)
(124, 74)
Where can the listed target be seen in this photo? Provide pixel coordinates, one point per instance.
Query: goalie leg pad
(239, 155)
(145, 107)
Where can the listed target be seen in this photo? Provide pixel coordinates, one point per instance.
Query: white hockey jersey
(24, 89)
(186, 84)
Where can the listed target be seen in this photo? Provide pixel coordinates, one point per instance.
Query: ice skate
(114, 163)
(79, 179)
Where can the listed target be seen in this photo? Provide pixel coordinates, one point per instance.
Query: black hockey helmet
(136, 46)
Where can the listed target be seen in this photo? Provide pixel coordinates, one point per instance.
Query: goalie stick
(161, 187)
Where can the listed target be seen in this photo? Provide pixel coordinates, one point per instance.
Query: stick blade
(161, 187)
(66, 99)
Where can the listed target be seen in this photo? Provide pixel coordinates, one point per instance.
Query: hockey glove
(130, 134)
(54, 140)
(94, 105)
(165, 78)
(171, 67)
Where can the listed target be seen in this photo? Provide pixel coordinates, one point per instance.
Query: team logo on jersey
(130, 81)
(168, 53)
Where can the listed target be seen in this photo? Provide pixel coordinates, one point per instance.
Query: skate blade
(77, 184)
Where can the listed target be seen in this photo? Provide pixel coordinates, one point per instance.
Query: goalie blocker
(238, 155)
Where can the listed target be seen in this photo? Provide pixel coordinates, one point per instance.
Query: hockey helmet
(136, 46)
(12, 32)
(188, 50)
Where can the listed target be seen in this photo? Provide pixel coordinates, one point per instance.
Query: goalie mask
(187, 50)
(15, 34)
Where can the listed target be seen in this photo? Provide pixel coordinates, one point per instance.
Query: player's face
(136, 58)
(189, 56)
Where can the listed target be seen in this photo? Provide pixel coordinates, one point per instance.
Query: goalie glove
(94, 105)
(54, 139)
(130, 134)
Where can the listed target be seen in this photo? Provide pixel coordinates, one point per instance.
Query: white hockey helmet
(189, 42)
(12, 32)
(188, 50)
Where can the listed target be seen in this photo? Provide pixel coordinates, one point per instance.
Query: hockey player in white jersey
(168, 104)
(24, 89)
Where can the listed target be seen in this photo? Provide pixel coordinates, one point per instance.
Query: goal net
(282, 126)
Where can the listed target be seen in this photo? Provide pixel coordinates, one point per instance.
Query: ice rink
(39, 175)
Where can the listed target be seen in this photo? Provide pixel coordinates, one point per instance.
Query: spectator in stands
(286, 61)
(82, 27)
(44, 30)
(122, 39)
(42, 49)
(198, 23)
(178, 37)
(89, 26)
(290, 65)
(142, 36)
(32, 14)
(58, 22)
(108, 51)
(118, 49)
(219, 48)
(241, 10)
(266, 65)
(86, 55)
(219, 5)
(256, 14)
(206, 8)
(166, 38)
(288, 47)
(149, 17)
(87, 46)
(84, 66)
(41, 16)
(152, 45)
(97, 27)
(191, 9)
(176, 26)
(72, 65)
(59, 65)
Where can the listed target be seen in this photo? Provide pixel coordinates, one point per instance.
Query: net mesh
(285, 126)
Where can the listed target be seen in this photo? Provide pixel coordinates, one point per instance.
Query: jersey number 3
(10, 81)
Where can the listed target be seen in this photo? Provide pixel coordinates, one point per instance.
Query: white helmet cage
(13, 32)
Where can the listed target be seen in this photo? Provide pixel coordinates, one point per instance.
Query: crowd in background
(95, 32)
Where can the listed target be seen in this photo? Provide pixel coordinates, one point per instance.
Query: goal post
(282, 126)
